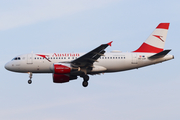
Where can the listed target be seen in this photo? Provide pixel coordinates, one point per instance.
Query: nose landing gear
(30, 76)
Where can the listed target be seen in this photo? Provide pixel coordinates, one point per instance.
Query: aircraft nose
(7, 66)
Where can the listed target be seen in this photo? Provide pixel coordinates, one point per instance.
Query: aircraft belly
(116, 65)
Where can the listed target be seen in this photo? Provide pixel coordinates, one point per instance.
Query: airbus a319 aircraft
(68, 66)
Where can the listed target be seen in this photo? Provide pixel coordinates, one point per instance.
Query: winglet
(110, 43)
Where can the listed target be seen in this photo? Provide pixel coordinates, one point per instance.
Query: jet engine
(61, 78)
(59, 68)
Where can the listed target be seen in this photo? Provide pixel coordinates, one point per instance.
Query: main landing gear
(85, 82)
(30, 76)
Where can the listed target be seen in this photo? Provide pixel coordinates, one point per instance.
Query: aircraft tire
(85, 83)
(29, 81)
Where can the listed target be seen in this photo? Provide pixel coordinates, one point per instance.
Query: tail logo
(160, 37)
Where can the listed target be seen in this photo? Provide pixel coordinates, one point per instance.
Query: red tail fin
(155, 42)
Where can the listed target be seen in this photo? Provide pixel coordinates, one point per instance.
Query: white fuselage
(68, 66)
(110, 62)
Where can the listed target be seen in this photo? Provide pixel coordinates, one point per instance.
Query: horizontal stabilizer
(160, 54)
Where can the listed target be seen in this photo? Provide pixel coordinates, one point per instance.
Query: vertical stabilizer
(155, 42)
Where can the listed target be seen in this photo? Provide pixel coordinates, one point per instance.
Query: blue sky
(79, 26)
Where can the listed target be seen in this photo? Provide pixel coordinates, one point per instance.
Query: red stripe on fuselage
(148, 49)
(163, 26)
(44, 56)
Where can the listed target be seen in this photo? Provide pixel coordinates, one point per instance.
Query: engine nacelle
(60, 68)
(60, 78)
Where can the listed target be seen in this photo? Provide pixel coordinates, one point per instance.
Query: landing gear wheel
(85, 83)
(85, 80)
(29, 81)
(30, 76)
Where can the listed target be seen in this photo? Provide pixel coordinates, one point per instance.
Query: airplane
(69, 66)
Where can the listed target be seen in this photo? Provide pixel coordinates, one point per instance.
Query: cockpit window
(16, 58)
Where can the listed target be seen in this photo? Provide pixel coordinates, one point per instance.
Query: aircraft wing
(89, 58)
